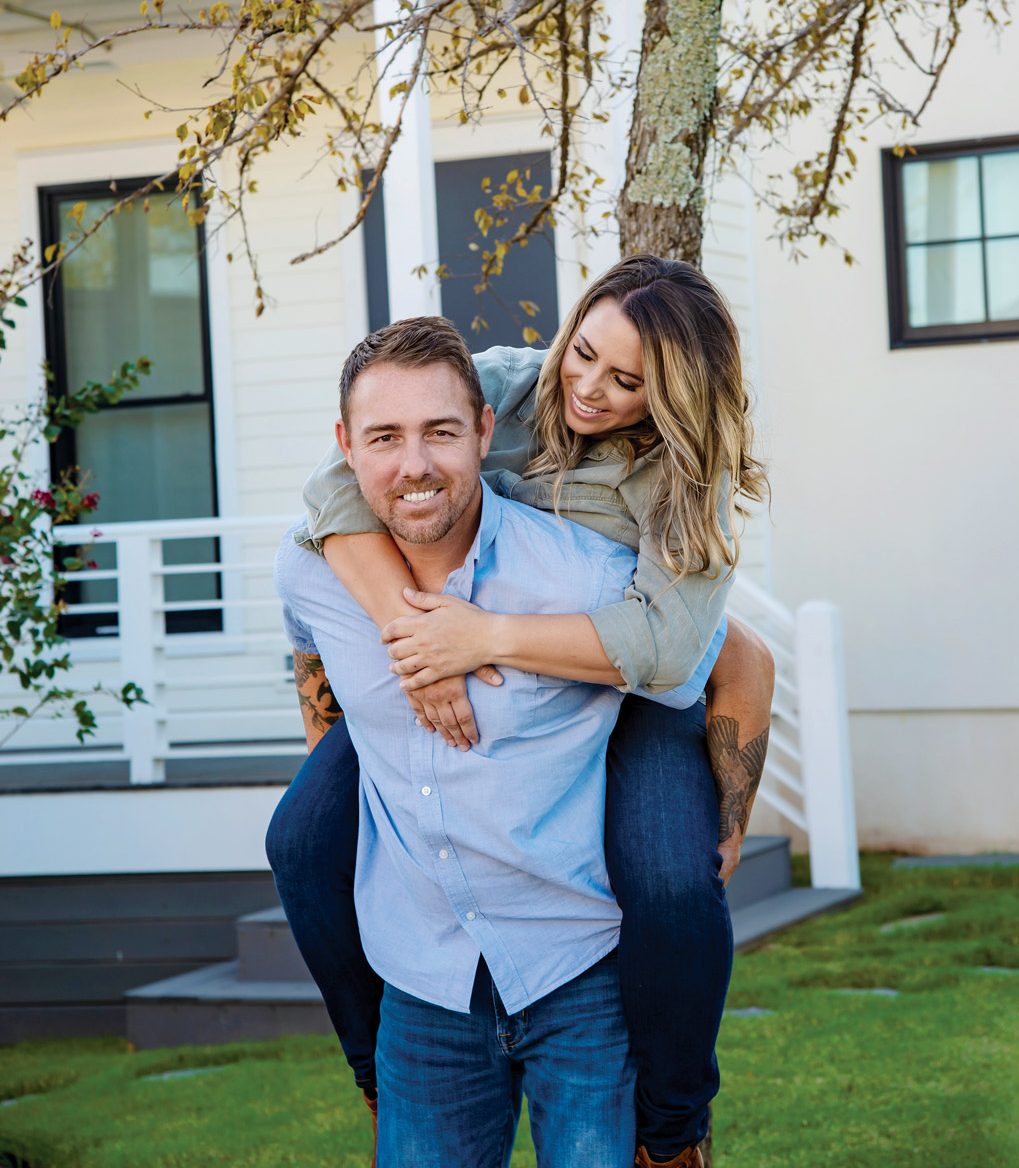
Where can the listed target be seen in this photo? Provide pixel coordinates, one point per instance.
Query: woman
(635, 423)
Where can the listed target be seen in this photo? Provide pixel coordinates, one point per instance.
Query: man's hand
(447, 640)
(730, 851)
(443, 707)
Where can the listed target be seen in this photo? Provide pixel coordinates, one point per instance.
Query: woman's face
(602, 374)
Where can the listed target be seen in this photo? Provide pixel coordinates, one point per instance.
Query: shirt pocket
(503, 713)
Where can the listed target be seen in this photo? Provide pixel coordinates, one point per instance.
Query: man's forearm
(319, 707)
(738, 717)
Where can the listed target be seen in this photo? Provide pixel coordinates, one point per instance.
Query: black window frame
(901, 334)
(64, 450)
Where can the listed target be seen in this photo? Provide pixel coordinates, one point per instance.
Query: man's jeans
(450, 1084)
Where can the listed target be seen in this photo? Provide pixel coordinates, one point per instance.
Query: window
(529, 272)
(136, 288)
(952, 236)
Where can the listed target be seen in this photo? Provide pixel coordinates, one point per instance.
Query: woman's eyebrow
(594, 351)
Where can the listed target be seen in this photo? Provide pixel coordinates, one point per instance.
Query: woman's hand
(451, 637)
(444, 707)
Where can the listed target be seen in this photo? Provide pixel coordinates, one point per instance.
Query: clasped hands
(433, 652)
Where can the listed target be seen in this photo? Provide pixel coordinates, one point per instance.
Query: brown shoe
(688, 1158)
(373, 1107)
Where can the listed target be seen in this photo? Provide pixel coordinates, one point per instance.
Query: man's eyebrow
(452, 420)
(429, 424)
(635, 376)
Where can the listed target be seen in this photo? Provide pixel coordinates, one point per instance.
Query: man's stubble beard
(437, 526)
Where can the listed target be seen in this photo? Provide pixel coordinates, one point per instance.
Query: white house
(890, 456)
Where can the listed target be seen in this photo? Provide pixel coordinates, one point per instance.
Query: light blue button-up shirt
(497, 851)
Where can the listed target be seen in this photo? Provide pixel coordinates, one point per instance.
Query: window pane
(133, 290)
(1003, 279)
(151, 463)
(529, 272)
(148, 464)
(1001, 194)
(941, 199)
(945, 284)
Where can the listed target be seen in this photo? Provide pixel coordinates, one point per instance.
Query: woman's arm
(652, 639)
(447, 636)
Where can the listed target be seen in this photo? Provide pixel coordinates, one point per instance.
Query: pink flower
(90, 501)
(44, 498)
(95, 533)
(91, 564)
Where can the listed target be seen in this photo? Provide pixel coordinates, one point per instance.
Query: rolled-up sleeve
(657, 635)
(334, 503)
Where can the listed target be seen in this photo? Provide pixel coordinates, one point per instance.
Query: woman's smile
(602, 372)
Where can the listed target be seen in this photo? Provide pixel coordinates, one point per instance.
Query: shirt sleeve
(688, 694)
(657, 635)
(298, 633)
(334, 503)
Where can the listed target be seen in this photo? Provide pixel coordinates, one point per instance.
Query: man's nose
(416, 459)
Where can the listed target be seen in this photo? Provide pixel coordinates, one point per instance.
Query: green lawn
(835, 1074)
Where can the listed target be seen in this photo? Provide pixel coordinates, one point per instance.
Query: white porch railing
(808, 774)
(229, 693)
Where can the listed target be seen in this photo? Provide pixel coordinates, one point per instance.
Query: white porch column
(412, 236)
(824, 746)
(140, 618)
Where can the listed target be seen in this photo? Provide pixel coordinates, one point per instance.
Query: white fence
(227, 691)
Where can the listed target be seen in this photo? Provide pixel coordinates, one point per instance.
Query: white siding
(896, 487)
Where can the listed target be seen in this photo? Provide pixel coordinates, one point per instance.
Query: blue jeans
(675, 946)
(450, 1084)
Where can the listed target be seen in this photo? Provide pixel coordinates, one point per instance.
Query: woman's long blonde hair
(698, 421)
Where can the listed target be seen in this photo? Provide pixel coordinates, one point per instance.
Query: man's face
(415, 448)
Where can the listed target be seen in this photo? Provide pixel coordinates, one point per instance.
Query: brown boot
(688, 1158)
(373, 1107)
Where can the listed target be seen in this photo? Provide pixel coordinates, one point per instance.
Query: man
(481, 887)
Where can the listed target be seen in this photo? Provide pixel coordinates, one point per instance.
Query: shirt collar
(460, 581)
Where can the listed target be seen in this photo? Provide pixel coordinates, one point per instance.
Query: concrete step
(217, 1004)
(266, 949)
(756, 921)
(214, 1005)
(765, 870)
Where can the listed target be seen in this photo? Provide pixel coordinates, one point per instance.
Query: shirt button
(471, 916)
(443, 854)
(426, 790)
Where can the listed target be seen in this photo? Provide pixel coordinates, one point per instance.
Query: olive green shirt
(658, 633)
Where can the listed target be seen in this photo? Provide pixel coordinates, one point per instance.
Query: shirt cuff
(626, 638)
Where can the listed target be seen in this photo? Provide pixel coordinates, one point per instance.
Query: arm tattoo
(319, 707)
(737, 773)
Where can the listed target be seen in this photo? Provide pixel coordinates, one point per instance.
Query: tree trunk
(661, 208)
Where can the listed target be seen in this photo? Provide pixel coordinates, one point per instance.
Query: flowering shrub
(32, 649)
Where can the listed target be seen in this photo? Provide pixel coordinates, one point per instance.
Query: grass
(833, 1075)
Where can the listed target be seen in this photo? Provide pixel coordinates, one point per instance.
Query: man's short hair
(413, 343)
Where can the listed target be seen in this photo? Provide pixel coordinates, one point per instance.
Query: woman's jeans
(675, 945)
